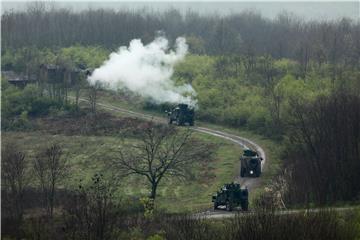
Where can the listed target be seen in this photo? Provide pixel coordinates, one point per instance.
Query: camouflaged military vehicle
(231, 196)
(181, 115)
(250, 164)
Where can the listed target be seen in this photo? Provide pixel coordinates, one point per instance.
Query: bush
(42, 105)
(272, 225)
(19, 104)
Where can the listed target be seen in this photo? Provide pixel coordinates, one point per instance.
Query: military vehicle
(232, 196)
(181, 115)
(250, 164)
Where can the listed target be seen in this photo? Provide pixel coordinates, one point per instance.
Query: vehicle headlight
(251, 172)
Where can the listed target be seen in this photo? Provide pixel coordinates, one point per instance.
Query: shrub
(42, 106)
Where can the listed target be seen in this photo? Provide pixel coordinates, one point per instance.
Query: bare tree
(50, 168)
(92, 93)
(92, 212)
(162, 152)
(78, 85)
(247, 33)
(323, 157)
(273, 95)
(13, 176)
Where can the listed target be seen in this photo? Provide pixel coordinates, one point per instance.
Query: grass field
(88, 155)
(273, 149)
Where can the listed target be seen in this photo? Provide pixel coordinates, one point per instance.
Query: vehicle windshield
(250, 153)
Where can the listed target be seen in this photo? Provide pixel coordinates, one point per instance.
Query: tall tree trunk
(153, 190)
(77, 96)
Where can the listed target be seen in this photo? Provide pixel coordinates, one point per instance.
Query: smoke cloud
(146, 70)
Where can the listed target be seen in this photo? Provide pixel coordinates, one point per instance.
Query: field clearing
(88, 155)
(273, 149)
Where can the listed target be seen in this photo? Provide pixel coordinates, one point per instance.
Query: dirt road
(250, 183)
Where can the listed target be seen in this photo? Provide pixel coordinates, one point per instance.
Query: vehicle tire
(258, 170)
(242, 172)
(178, 122)
(245, 205)
(170, 121)
(215, 205)
(228, 206)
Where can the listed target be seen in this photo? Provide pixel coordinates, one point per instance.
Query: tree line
(246, 33)
(322, 156)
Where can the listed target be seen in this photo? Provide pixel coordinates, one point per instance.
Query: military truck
(250, 164)
(231, 195)
(181, 115)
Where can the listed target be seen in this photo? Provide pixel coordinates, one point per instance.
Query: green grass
(115, 99)
(88, 155)
(272, 148)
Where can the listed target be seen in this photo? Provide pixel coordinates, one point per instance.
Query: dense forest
(294, 82)
(247, 33)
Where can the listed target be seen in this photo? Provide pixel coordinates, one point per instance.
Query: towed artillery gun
(231, 195)
(250, 164)
(181, 115)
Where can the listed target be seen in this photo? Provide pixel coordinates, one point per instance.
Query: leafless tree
(50, 168)
(93, 94)
(92, 212)
(323, 157)
(13, 176)
(247, 33)
(162, 152)
(78, 85)
(272, 96)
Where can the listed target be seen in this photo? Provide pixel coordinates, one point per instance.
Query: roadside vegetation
(90, 143)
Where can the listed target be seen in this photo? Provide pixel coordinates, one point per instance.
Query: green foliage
(90, 57)
(289, 87)
(18, 104)
(21, 122)
(134, 233)
(237, 90)
(28, 59)
(16, 101)
(43, 105)
(148, 204)
(250, 92)
(286, 66)
(157, 236)
(196, 44)
(193, 66)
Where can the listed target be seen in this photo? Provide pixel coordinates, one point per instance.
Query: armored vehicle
(181, 115)
(231, 195)
(250, 164)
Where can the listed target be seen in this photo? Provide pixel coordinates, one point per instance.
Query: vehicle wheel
(178, 122)
(215, 205)
(258, 170)
(245, 205)
(228, 206)
(170, 121)
(242, 172)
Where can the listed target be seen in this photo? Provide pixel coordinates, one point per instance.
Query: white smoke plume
(146, 70)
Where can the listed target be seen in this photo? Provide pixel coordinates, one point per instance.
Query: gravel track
(250, 183)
